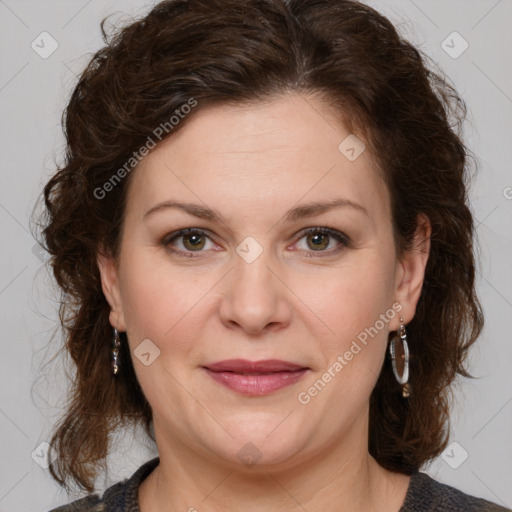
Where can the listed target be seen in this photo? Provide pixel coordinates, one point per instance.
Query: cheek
(168, 305)
(349, 299)
(352, 357)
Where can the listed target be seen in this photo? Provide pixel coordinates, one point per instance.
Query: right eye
(192, 240)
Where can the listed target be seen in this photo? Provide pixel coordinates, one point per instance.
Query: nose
(255, 298)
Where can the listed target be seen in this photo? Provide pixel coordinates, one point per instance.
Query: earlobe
(110, 285)
(411, 270)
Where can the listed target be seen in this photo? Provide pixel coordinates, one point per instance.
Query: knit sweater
(424, 494)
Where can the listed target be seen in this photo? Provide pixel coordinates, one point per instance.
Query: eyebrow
(297, 213)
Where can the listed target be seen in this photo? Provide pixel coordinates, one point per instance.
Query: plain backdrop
(34, 88)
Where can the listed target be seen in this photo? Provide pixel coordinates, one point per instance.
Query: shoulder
(120, 497)
(428, 495)
(88, 504)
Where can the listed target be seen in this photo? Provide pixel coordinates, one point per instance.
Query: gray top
(424, 494)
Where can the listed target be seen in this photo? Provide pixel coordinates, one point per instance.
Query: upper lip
(243, 365)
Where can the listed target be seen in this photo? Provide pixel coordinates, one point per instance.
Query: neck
(341, 473)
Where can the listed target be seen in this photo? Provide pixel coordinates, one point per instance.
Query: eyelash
(340, 237)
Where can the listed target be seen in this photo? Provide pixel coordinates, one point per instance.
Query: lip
(255, 378)
(245, 366)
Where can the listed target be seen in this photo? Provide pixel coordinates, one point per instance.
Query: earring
(115, 353)
(400, 359)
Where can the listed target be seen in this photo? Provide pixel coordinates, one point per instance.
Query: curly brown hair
(232, 51)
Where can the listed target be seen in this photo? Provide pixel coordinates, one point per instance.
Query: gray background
(33, 92)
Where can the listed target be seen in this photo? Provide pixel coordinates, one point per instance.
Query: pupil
(318, 239)
(194, 239)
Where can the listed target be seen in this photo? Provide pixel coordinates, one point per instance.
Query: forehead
(290, 121)
(259, 155)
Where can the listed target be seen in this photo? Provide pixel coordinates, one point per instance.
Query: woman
(262, 235)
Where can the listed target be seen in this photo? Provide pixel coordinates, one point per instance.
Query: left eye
(318, 239)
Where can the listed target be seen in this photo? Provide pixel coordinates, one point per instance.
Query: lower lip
(256, 385)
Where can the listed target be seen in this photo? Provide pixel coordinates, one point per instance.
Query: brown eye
(318, 241)
(188, 242)
(193, 241)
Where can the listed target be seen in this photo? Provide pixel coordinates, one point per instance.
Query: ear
(109, 274)
(410, 273)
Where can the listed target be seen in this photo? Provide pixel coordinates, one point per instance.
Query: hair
(233, 52)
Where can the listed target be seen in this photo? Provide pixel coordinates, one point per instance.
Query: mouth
(255, 378)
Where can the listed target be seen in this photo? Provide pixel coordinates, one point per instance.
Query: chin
(262, 446)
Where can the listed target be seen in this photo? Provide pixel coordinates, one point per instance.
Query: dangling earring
(115, 353)
(400, 359)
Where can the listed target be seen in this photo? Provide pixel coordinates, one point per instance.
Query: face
(263, 271)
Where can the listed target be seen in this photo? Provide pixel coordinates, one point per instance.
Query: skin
(295, 302)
